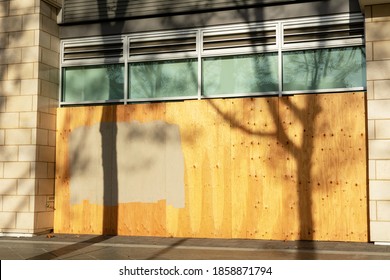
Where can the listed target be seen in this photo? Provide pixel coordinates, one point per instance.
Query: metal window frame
(198, 33)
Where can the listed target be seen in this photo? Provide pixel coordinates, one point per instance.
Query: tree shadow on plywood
(297, 129)
(109, 9)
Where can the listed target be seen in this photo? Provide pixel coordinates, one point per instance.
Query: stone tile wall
(29, 77)
(378, 105)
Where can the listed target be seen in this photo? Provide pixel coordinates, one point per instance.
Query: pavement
(96, 247)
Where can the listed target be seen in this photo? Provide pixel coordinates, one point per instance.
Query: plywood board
(285, 168)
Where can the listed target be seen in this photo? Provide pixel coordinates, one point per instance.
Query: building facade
(228, 119)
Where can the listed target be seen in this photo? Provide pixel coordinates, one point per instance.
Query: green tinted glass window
(93, 83)
(324, 69)
(240, 74)
(169, 78)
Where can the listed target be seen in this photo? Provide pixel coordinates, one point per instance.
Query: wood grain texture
(283, 168)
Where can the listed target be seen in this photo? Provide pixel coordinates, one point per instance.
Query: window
(163, 66)
(240, 74)
(240, 61)
(283, 57)
(324, 69)
(93, 83)
(92, 70)
(163, 79)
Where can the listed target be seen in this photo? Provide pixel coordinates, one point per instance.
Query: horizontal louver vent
(107, 49)
(252, 39)
(306, 33)
(239, 40)
(322, 33)
(162, 45)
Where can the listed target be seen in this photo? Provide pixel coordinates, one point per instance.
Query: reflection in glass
(324, 69)
(170, 78)
(240, 74)
(93, 83)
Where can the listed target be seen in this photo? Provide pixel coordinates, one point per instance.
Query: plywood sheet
(285, 168)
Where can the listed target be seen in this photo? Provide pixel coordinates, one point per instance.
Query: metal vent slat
(162, 45)
(241, 36)
(323, 33)
(316, 30)
(239, 40)
(93, 50)
(241, 44)
(80, 56)
(157, 50)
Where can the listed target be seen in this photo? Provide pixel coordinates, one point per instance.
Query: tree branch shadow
(302, 154)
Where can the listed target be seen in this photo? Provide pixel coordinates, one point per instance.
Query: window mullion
(279, 42)
(199, 53)
(126, 69)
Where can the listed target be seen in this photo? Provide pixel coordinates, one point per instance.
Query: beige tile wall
(378, 105)
(29, 61)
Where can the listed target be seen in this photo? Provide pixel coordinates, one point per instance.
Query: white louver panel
(96, 50)
(323, 33)
(176, 45)
(240, 40)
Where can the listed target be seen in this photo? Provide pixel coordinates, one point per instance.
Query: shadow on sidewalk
(71, 248)
(166, 250)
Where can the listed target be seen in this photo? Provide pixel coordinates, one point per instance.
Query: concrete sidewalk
(91, 247)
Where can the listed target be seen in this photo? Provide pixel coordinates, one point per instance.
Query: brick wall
(378, 105)
(29, 62)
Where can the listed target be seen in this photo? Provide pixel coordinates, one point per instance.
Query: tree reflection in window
(324, 69)
(169, 78)
(240, 74)
(93, 83)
